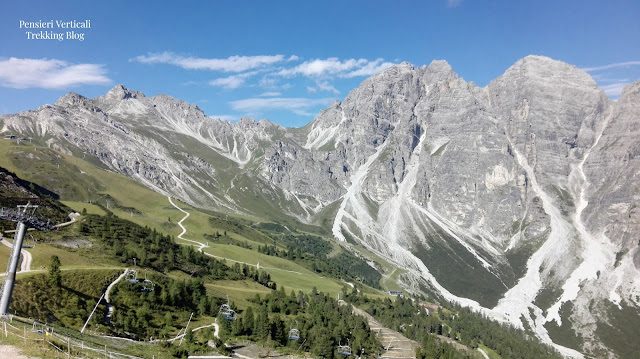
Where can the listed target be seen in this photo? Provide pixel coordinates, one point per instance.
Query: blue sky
(286, 60)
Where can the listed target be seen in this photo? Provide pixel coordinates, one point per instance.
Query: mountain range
(518, 199)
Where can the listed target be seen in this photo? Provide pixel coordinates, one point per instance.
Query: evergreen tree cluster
(314, 253)
(141, 314)
(322, 321)
(126, 240)
(255, 274)
(63, 298)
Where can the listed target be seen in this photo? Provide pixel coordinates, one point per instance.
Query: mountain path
(27, 258)
(74, 217)
(184, 229)
(483, 353)
(110, 308)
(201, 245)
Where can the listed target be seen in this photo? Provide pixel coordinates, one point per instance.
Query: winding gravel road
(26, 257)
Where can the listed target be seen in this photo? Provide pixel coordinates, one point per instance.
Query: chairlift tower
(25, 219)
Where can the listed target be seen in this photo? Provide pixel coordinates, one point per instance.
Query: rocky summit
(519, 199)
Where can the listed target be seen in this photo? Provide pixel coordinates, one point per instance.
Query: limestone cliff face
(517, 199)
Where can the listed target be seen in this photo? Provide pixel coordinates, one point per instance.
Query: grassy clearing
(70, 259)
(277, 268)
(391, 282)
(42, 253)
(238, 291)
(387, 283)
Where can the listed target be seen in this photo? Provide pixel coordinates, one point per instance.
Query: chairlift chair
(294, 334)
(344, 349)
(132, 276)
(147, 285)
(29, 243)
(38, 327)
(226, 311)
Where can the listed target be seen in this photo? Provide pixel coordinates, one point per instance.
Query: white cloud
(614, 90)
(232, 82)
(326, 86)
(454, 3)
(322, 67)
(230, 64)
(311, 89)
(605, 77)
(334, 67)
(300, 106)
(270, 94)
(612, 66)
(268, 82)
(49, 73)
(371, 68)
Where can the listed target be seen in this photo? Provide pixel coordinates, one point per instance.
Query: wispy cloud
(322, 67)
(230, 64)
(49, 74)
(614, 90)
(299, 106)
(275, 69)
(454, 3)
(270, 94)
(322, 71)
(612, 66)
(273, 83)
(232, 82)
(326, 86)
(371, 68)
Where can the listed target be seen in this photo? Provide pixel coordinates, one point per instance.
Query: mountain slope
(516, 199)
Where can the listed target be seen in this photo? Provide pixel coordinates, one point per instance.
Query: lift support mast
(24, 219)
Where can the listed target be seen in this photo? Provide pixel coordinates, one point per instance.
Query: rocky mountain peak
(631, 92)
(246, 122)
(439, 66)
(118, 93)
(439, 70)
(71, 99)
(545, 69)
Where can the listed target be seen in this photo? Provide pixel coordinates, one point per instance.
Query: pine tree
(261, 324)
(189, 336)
(55, 275)
(248, 321)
